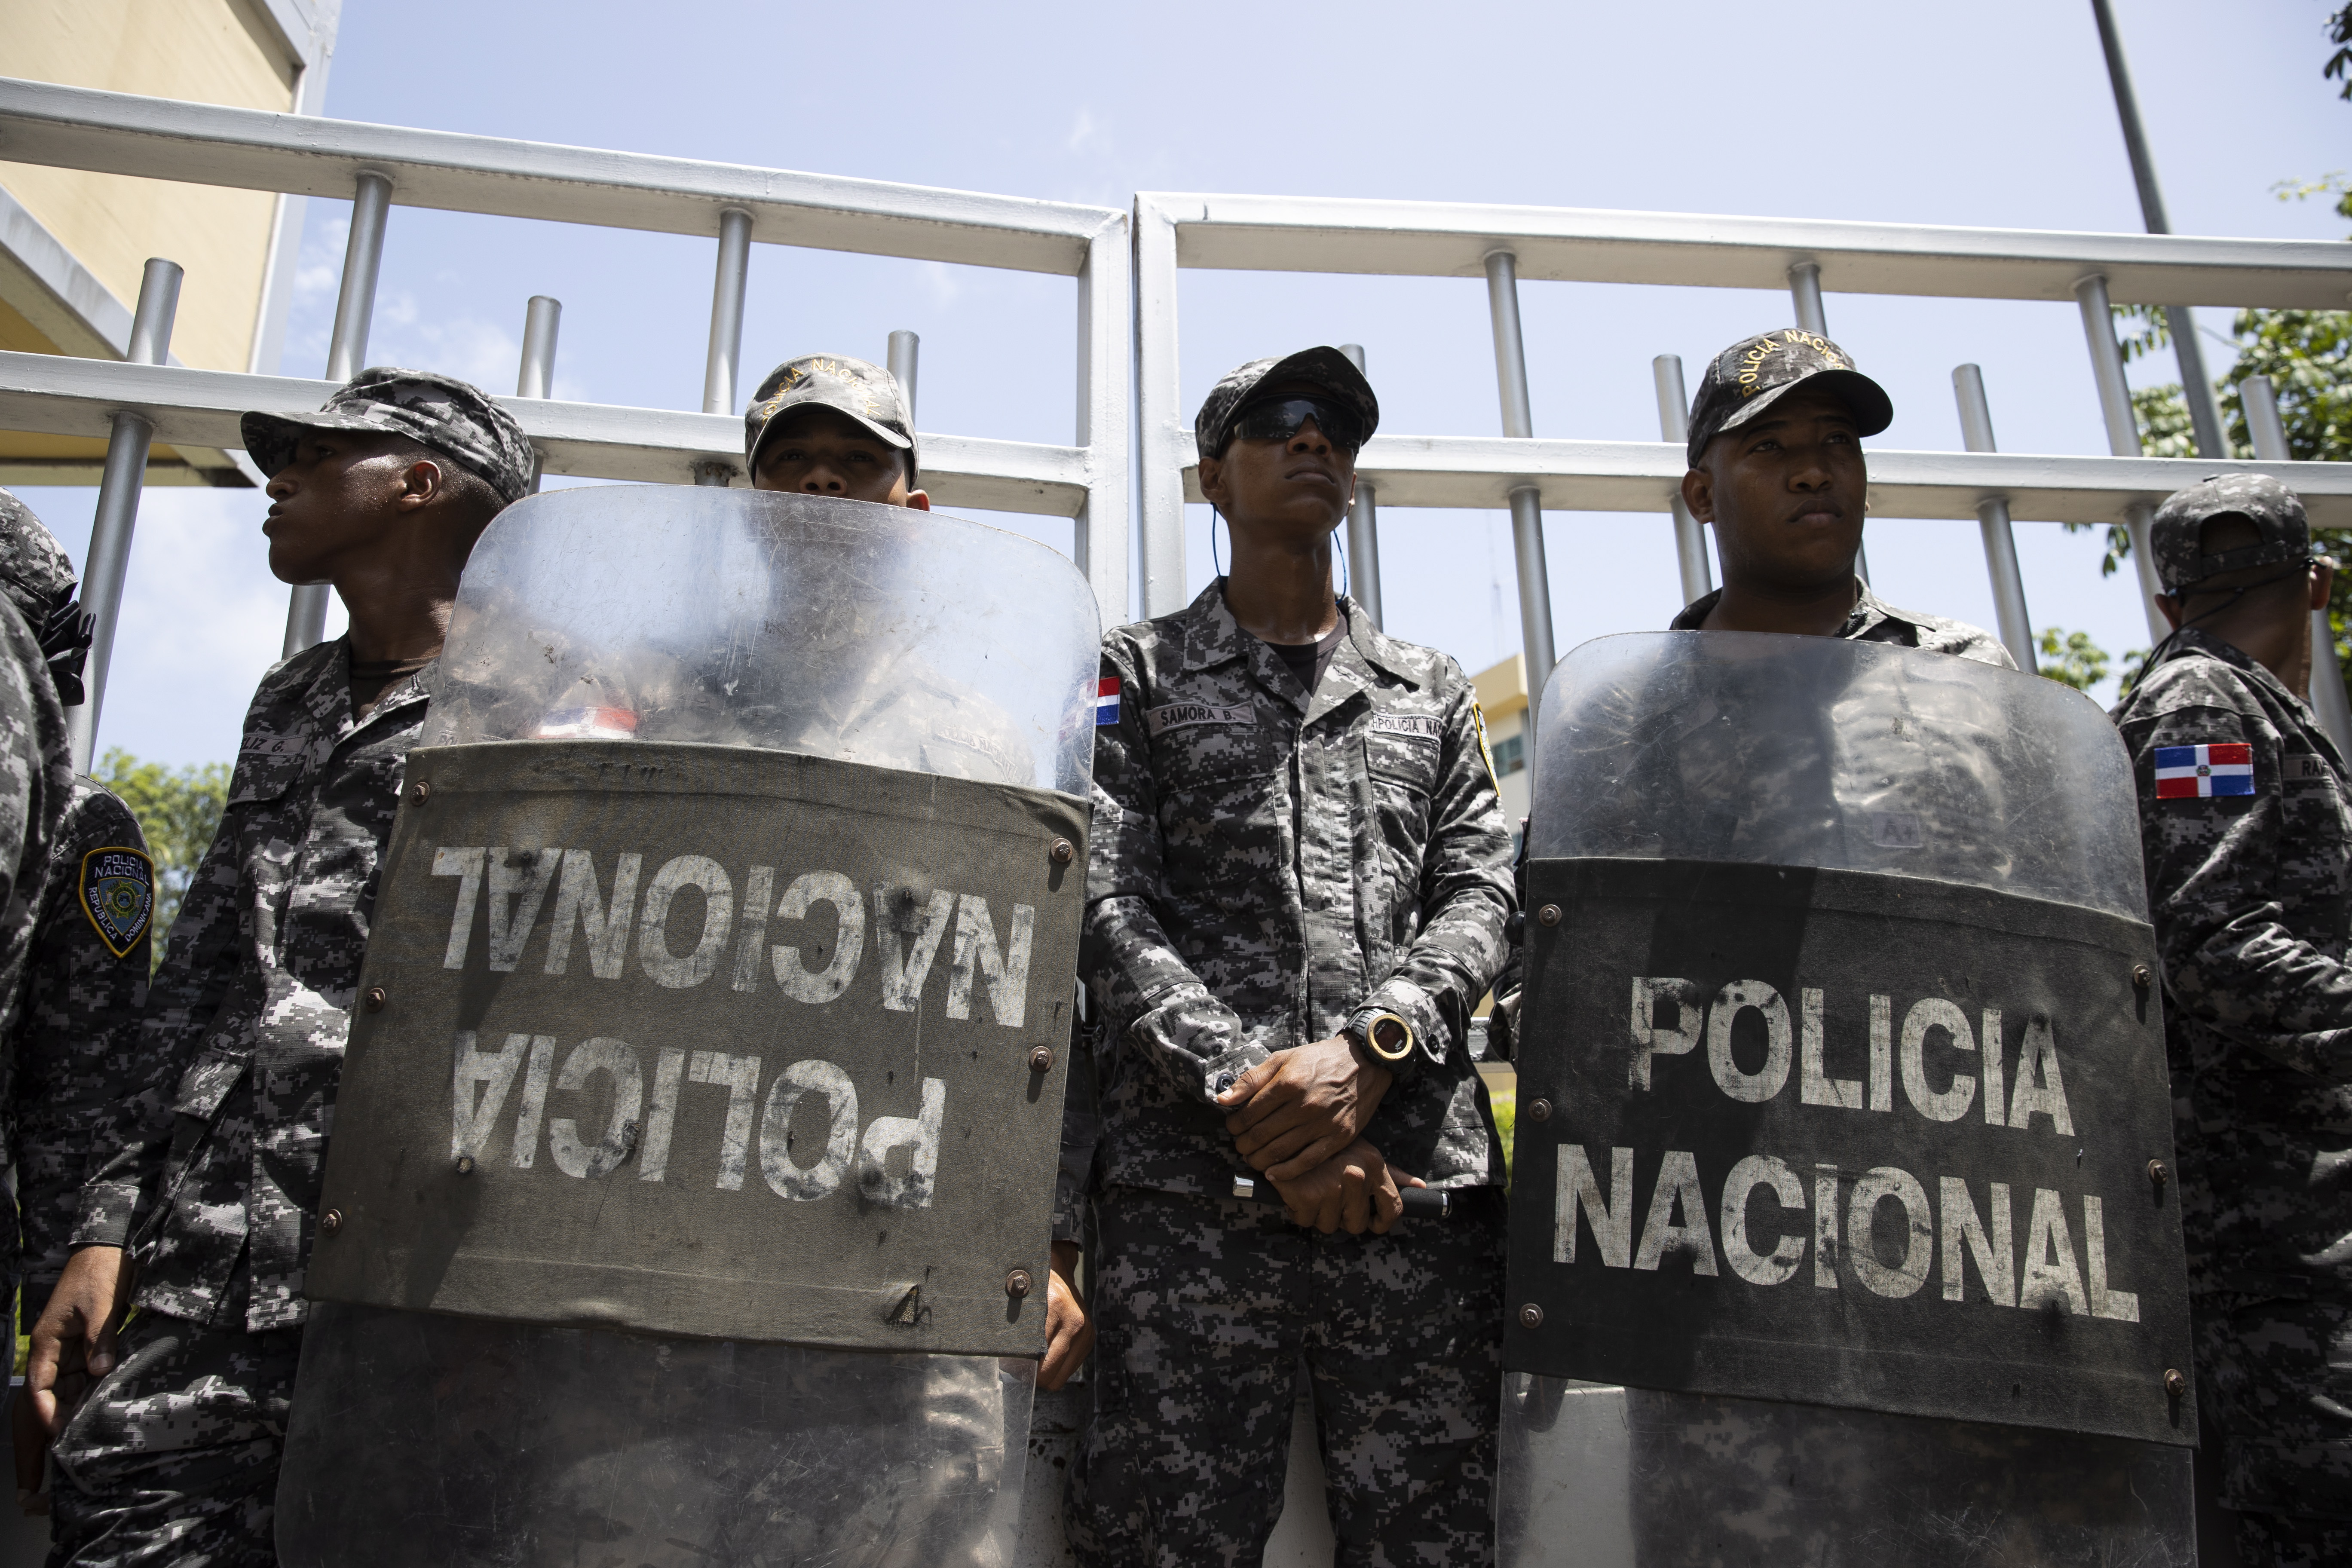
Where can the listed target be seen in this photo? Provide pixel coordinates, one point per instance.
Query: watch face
(1398, 1043)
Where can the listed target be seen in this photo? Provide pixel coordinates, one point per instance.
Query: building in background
(1503, 698)
(73, 243)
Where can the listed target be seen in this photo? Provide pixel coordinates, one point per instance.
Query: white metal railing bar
(1478, 473)
(53, 394)
(1444, 239)
(379, 167)
(207, 145)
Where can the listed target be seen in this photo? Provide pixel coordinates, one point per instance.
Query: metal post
(2204, 414)
(109, 558)
(1993, 517)
(1364, 529)
(363, 258)
(2123, 434)
(1526, 501)
(1106, 315)
(1166, 433)
(540, 320)
(1805, 290)
(2328, 697)
(1805, 294)
(904, 347)
(306, 607)
(1673, 425)
(726, 331)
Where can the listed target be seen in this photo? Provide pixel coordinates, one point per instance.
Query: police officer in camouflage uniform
(213, 1174)
(832, 425)
(1300, 880)
(2246, 829)
(86, 976)
(1776, 464)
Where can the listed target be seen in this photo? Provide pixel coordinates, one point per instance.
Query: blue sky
(1834, 109)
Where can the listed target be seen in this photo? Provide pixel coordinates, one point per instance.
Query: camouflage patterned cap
(38, 576)
(866, 391)
(1755, 373)
(453, 417)
(35, 570)
(1326, 368)
(2276, 511)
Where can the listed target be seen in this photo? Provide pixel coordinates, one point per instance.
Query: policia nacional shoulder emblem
(117, 894)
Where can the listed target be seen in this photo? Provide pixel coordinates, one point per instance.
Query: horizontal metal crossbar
(1480, 472)
(55, 395)
(1445, 239)
(207, 145)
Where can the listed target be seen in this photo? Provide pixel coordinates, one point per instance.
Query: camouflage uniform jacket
(1267, 869)
(247, 1017)
(74, 1033)
(2252, 897)
(37, 780)
(1876, 620)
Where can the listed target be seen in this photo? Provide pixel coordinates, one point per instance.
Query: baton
(1420, 1203)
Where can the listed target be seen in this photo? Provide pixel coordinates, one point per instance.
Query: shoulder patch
(2197, 772)
(1105, 700)
(1184, 715)
(117, 894)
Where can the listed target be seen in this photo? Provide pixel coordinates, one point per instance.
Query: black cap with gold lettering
(1754, 373)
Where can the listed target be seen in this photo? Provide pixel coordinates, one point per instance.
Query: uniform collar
(1868, 614)
(1211, 636)
(2189, 639)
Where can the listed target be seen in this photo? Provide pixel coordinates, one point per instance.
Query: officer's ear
(2323, 582)
(1699, 494)
(1212, 482)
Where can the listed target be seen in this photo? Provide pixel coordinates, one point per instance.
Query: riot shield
(689, 1193)
(1843, 1224)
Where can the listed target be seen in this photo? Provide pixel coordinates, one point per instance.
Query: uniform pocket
(207, 1082)
(265, 773)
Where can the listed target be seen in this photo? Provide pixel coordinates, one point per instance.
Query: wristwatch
(1387, 1036)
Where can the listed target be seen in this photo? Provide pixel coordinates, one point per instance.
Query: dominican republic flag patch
(2186, 772)
(1106, 700)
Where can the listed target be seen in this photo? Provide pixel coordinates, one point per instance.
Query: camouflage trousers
(1204, 1308)
(2274, 1379)
(173, 1457)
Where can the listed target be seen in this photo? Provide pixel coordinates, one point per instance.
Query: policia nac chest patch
(118, 893)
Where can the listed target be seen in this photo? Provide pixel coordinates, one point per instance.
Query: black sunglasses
(1278, 419)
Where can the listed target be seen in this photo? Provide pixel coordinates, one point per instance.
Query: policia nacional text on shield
(1841, 1138)
(708, 1041)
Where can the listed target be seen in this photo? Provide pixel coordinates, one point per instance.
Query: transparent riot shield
(689, 1195)
(1843, 1230)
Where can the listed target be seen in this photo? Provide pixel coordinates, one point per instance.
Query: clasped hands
(1299, 1118)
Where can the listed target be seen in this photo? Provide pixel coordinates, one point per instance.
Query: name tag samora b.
(1184, 715)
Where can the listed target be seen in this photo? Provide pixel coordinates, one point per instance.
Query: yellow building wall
(208, 51)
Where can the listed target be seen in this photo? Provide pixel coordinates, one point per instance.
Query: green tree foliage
(179, 809)
(2072, 658)
(2339, 64)
(2307, 354)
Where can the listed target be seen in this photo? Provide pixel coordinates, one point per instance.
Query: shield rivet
(1549, 914)
(373, 1000)
(1531, 1316)
(465, 1165)
(1041, 1058)
(2175, 1384)
(1016, 1284)
(1539, 1110)
(420, 792)
(330, 1222)
(2141, 977)
(2157, 1172)
(1063, 852)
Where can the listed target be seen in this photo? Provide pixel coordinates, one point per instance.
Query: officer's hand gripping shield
(1842, 1221)
(689, 1193)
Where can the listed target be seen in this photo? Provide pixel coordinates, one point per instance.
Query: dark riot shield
(1842, 1225)
(689, 1193)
